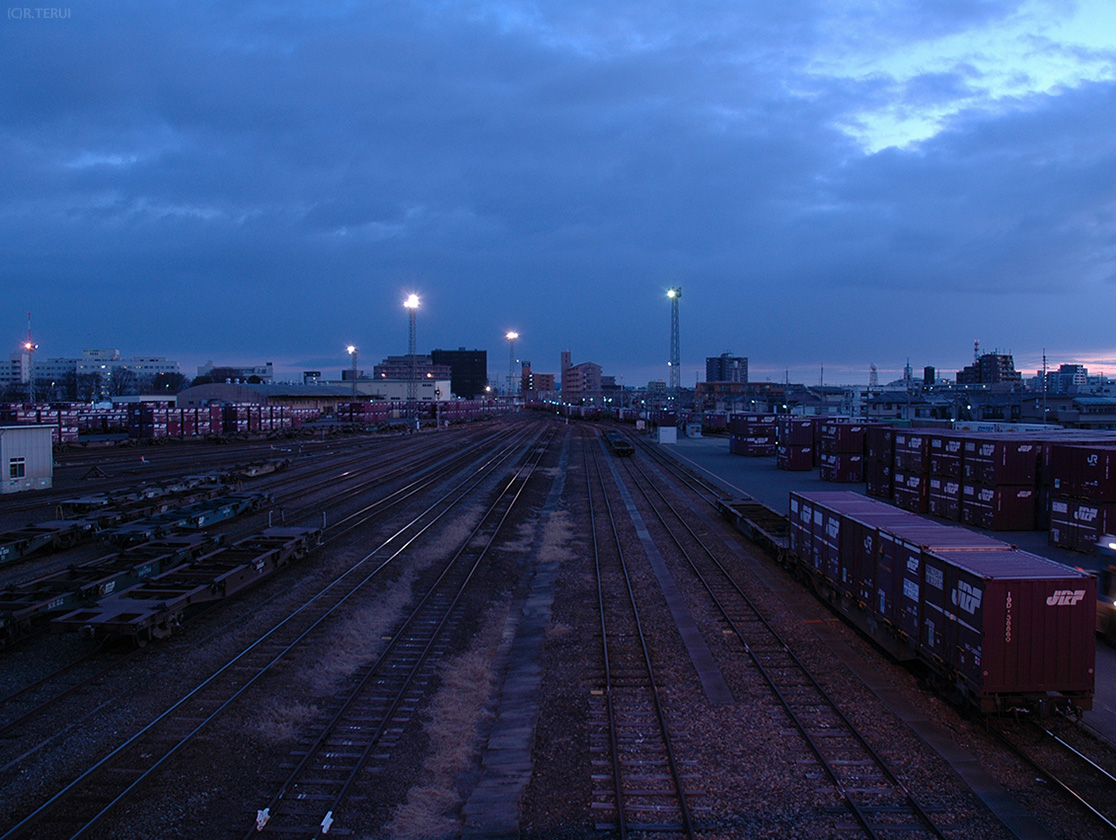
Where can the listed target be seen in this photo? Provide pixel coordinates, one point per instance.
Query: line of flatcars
(996, 628)
(135, 514)
(145, 591)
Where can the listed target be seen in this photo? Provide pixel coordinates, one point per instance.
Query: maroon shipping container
(792, 457)
(877, 477)
(911, 491)
(901, 551)
(1010, 624)
(1078, 524)
(795, 431)
(944, 498)
(879, 443)
(1087, 472)
(912, 451)
(993, 460)
(841, 467)
(842, 437)
(999, 508)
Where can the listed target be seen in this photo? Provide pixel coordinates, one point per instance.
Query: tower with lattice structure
(675, 347)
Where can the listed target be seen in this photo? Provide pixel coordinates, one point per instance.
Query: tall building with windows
(990, 369)
(726, 368)
(468, 370)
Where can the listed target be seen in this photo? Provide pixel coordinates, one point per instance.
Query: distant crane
(675, 347)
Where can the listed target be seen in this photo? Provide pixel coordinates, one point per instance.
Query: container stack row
(752, 434)
(1003, 622)
(1083, 494)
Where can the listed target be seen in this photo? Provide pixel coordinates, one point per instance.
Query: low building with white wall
(27, 458)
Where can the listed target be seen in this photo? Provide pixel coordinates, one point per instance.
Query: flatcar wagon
(156, 607)
(619, 444)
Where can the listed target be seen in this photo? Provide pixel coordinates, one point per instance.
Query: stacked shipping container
(1083, 500)
(795, 447)
(752, 434)
(842, 451)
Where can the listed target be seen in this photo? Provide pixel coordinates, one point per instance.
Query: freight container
(841, 467)
(1085, 472)
(998, 508)
(998, 627)
(1001, 459)
(944, 498)
(839, 437)
(1012, 626)
(794, 457)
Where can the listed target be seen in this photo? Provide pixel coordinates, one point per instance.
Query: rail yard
(524, 627)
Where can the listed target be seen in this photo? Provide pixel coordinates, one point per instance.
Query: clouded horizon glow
(835, 184)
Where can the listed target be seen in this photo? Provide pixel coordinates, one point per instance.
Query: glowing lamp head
(411, 302)
(674, 293)
(27, 345)
(350, 349)
(512, 336)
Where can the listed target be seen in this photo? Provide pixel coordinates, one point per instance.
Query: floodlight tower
(675, 349)
(511, 337)
(412, 304)
(352, 351)
(29, 347)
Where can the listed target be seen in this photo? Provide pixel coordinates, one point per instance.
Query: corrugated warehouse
(27, 458)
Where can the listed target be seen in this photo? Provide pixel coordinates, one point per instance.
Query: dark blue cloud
(266, 181)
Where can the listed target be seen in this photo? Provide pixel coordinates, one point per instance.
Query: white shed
(26, 458)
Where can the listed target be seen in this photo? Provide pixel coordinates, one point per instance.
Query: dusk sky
(831, 183)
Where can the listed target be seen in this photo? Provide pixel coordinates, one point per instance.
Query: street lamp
(511, 337)
(412, 305)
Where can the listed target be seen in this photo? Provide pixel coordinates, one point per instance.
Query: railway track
(25, 703)
(80, 806)
(1069, 760)
(642, 783)
(361, 731)
(878, 801)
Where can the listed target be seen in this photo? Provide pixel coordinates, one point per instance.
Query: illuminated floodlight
(512, 336)
(411, 302)
(674, 293)
(351, 350)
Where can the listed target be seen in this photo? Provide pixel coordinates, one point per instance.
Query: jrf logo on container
(1065, 597)
(967, 597)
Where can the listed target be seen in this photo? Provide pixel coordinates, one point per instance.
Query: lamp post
(352, 351)
(412, 305)
(511, 337)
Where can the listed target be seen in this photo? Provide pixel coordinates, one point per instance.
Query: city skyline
(834, 186)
